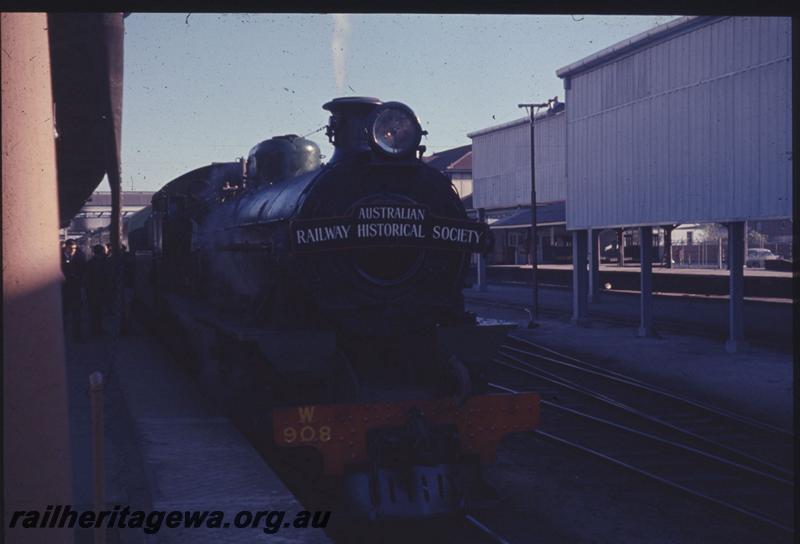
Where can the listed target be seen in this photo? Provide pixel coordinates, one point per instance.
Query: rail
(674, 440)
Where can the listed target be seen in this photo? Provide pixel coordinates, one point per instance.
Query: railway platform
(758, 282)
(757, 382)
(767, 322)
(166, 449)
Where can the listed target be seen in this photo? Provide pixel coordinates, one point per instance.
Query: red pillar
(36, 458)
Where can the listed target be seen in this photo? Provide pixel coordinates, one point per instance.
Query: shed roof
(559, 108)
(624, 47)
(494, 128)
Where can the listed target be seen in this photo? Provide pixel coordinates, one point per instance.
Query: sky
(202, 88)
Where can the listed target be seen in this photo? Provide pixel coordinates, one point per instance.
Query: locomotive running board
(289, 352)
(339, 431)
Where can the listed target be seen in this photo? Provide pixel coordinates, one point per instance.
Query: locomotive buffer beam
(407, 458)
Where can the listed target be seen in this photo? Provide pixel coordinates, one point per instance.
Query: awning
(86, 69)
(547, 215)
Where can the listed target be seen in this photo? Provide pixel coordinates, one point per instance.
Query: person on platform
(97, 285)
(128, 285)
(73, 267)
(108, 300)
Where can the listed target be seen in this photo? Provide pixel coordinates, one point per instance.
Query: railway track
(488, 534)
(738, 463)
(745, 439)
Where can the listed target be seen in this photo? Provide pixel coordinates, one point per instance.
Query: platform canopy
(86, 68)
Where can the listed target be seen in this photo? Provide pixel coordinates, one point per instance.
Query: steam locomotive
(325, 300)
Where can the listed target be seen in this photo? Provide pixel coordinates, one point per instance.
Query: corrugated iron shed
(501, 159)
(689, 122)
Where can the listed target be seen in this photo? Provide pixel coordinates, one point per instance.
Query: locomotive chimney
(347, 128)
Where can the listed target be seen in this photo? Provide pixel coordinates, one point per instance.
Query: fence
(707, 254)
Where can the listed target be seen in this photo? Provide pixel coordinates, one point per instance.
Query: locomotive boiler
(326, 300)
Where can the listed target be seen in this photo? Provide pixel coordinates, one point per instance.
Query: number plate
(339, 431)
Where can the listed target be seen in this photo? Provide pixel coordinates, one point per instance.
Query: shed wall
(696, 128)
(501, 164)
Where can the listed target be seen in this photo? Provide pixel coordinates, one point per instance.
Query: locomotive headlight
(394, 130)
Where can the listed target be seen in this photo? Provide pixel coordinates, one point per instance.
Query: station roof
(86, 68)
(443, 159)
(549, 214)
(464, 164)
(129, 198)
(624, 47)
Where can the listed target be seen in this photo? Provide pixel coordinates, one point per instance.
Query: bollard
(98, 456)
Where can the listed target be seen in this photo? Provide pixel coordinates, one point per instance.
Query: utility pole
(533, 242)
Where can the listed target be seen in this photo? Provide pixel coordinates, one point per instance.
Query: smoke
(341, 29)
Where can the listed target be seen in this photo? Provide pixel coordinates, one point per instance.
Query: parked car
(757, 256)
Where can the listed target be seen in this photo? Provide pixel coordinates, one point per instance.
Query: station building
(92, 221)
(688, 123)
(456, 164)
(501, 170)
(460, 174)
